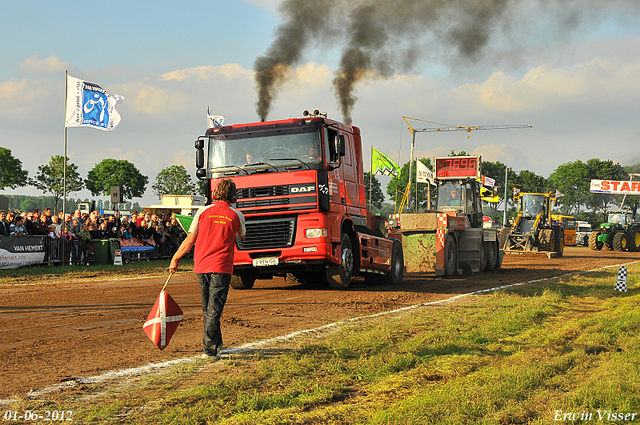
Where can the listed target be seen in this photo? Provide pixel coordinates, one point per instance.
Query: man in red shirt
(213, 231)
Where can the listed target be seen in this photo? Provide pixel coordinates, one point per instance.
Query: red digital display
(457, 166)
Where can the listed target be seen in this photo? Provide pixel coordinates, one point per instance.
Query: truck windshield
(273, 148)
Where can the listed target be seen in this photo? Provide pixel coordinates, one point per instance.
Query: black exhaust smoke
(381, 38)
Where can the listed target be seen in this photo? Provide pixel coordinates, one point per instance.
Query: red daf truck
(301, 189)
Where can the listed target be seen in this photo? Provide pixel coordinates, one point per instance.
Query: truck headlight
(316, 233)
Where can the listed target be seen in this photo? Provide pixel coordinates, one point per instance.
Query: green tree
(174, 180)
(116, 172)
(604, 170)
(377, 197)
(399, 184)
(531, 182)
(50, 178)
(572, 180)
(29, 204)
(11, 173)
(202, 187)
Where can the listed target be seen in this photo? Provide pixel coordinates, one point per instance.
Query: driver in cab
(312, 153)
(533, 207)
(455, 200)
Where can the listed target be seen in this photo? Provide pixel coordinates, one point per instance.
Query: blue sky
(576, 80)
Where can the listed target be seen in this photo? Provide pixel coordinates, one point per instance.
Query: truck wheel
(339, 275)
(634, 239)
(560, 243)
(450, 257)
(620, 241)
(594, 244)
(396, 273)
(492, 255)
(546, 240)
(585, 241)
(503, 235)
(483, 254)
(243, 279)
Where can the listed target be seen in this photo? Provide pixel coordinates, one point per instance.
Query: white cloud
(271, 5)
(608, 81)
(35, 65)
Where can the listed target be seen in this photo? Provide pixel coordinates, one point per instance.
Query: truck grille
(268, 233)
(258, 192)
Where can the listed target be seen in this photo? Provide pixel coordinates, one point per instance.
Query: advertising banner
(21, 251)
(615, 187)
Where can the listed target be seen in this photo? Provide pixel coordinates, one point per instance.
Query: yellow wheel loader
(533, 229)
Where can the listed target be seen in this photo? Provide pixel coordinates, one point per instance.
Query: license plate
(259, 262)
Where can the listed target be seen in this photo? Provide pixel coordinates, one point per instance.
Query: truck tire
(339, 275)
(396, 273)
(502, 237)
(594, 244)
(243, 279)
(546, 240)
(492, 255)
(450, 257)
(620, 241)
(559, 243)
(634, 239)
(482, 260)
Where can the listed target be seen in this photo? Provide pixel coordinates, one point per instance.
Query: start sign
(615, 187)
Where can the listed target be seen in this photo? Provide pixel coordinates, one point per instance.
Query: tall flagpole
(371, 182)
(64, 159)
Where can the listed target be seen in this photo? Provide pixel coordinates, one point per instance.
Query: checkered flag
(621, 281)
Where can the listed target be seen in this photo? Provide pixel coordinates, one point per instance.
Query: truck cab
(300, 186)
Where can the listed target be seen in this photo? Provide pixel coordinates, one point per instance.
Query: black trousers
(214, 288)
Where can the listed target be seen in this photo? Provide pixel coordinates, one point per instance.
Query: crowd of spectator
(69, 236)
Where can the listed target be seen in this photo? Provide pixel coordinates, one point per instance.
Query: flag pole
(371, 182)
(64, 162)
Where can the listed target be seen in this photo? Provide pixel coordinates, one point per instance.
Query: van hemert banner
(615, 187)
(21, 251)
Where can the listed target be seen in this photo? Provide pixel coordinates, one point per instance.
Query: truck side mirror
(199, 153)
(200, 158)
(201, 173)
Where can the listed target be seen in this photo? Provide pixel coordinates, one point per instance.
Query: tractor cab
(461, 196)
(533, 212)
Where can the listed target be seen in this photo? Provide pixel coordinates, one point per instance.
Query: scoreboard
(458, 167)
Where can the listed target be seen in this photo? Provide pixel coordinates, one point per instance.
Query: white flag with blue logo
(89, 105)
(215, 121)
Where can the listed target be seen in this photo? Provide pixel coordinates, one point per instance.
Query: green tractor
(618, 233)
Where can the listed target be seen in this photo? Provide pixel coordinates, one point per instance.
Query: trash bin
(100, 251)
(113, 245)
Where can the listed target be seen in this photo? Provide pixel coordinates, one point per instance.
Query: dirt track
(54, 332)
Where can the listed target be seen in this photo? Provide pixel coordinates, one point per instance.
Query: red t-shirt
(216, 227)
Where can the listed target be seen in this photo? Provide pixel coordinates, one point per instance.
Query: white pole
(64, 166)
(413, 143)
(506, 181)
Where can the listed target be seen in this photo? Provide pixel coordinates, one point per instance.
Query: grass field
(539, 353)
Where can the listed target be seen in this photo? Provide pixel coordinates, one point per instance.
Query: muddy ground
(52, 332)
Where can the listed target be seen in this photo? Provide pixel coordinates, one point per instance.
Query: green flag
(382, 164)
(185, 221)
